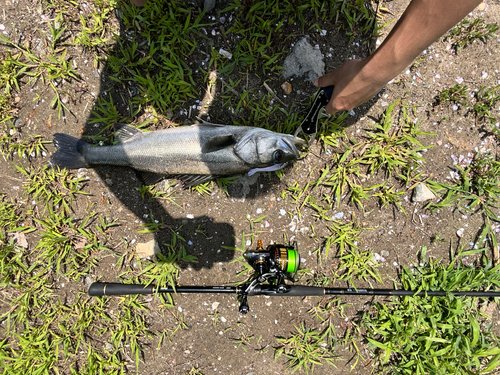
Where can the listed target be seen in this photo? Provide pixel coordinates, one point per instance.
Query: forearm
(423, 22)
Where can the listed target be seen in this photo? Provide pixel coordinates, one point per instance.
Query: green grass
(468, 31)
(481, 105)
(456, 95)
(51, 65)
(487, 98)
(391, 148)
(306, 348)
(438, 335)
(476, 190)
(153, 58)
(55, 188)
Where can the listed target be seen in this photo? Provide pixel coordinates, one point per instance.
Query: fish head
(262, 148)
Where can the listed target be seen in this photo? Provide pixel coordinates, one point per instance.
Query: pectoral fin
(218, 143)
(194, 179)
(151, 178)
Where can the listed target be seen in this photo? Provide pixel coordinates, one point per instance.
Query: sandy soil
(210, 223)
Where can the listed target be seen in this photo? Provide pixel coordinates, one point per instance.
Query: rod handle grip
(118, 289)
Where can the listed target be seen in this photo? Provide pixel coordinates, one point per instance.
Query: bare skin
(139, 3)
(422, 23)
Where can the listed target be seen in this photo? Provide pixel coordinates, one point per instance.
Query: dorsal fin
(124, 132)
(206, 123)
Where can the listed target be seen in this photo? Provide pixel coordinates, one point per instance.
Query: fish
(194, 154)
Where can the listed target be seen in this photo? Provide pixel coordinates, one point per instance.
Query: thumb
(325, 80)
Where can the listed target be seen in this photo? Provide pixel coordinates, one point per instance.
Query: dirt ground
(212, 222)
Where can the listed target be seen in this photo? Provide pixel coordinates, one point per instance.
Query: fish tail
(68, 154)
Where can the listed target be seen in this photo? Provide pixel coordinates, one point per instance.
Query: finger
(330, 108)
(326, 80)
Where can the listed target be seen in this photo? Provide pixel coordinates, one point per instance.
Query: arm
(423, 22)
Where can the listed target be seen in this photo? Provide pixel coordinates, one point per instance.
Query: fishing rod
(273, 267)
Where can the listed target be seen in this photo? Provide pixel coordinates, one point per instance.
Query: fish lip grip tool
(309, 125)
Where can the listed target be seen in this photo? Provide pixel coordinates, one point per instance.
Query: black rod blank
(401, 292)
(116, 289)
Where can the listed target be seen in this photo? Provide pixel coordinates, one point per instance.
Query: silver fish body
(194, 153)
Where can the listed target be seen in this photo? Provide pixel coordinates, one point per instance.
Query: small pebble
(225, 53)
(422, 193)
(286, 87)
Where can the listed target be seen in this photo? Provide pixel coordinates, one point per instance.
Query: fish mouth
(291, 143)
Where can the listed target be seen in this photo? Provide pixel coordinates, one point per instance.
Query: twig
(12, 178)
(270, 90)
(230, 88)
(319, 157)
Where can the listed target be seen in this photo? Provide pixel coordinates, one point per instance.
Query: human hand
(139, 3)
(353, 83)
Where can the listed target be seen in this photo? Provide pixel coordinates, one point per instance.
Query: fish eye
(278, 155)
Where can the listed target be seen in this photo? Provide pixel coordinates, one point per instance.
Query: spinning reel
(273, 265)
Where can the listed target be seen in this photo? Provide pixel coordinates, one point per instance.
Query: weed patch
(435, 334)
